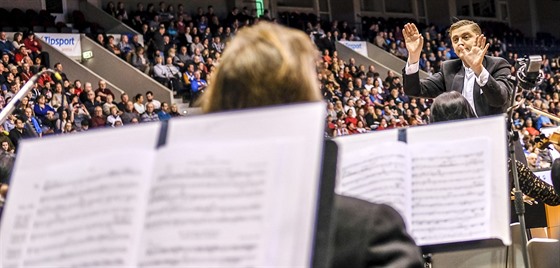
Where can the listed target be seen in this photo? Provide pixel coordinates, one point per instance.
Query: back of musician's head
(451, 106)
(265, 64)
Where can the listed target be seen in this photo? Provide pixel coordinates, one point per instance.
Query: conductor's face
(463, 38)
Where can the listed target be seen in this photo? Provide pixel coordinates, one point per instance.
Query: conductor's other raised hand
(475, 56)
(414, 42)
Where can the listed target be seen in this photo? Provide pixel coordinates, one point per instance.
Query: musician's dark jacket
(371, 235)
(492, 98)
(555, 174)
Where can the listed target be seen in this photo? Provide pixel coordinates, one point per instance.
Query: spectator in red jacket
(36, 48)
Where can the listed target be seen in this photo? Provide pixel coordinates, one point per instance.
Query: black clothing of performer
(371, 235)
(490, 99)
(555, 174)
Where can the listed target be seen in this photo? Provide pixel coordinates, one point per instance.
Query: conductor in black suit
(482, 80)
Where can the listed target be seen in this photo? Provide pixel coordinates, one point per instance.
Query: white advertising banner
(69, 44)
(358, 46)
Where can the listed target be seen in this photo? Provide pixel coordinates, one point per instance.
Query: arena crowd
(182, 47)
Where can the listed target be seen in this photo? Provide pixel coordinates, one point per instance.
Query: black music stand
(527, 78)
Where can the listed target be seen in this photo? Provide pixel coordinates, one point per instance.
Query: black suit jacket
(371, 235)
(493, 98)
(555, 174)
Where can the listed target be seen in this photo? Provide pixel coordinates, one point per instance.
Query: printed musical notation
(449, 187)
(441, 189)
(446, 182)
(82, 216)
(208, 208)
(377, 173)
(231, 193)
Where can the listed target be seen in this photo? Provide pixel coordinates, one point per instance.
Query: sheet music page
(61, 184)
(450, 191)
(79, 213)
(297, 194)
(210, 205)
(377, 172)
(544, 175)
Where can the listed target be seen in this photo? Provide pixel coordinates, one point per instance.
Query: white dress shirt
(468, 82)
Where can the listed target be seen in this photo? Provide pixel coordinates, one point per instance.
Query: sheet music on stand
(544, 175)
(449, 181)
(227, 189)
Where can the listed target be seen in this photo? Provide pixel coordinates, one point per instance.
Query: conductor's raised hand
(475, 56)
(414, 42)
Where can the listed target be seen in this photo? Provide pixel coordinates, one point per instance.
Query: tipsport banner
(358, 46)
(69, 44)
